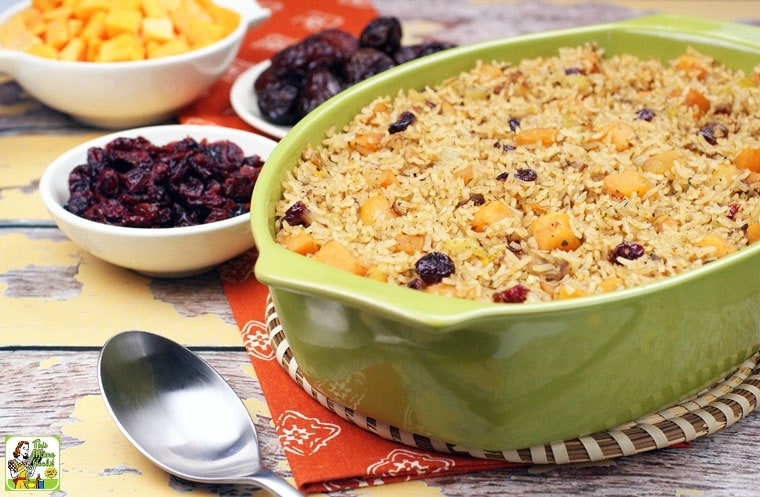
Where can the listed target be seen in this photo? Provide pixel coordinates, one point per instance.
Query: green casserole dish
(501, 377)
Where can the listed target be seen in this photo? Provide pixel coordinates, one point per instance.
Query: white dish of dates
(274, 95)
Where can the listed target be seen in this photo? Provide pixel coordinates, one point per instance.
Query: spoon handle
(275, 484)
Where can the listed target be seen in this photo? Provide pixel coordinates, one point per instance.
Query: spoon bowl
(180, 413)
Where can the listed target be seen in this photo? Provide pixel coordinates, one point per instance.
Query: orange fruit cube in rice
(753, 232)
(749, 158)
(488, 214)
(301, 243)
(626, 183)
(721, 246)
(554, 231)
(338, 256)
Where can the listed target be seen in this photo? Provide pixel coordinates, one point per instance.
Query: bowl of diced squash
(122, 63)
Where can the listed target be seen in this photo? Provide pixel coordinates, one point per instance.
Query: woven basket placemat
(711, 410)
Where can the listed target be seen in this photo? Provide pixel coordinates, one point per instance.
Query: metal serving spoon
(180, 413)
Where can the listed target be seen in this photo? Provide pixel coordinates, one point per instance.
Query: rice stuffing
(552, 178)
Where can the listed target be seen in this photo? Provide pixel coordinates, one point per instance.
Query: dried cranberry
(433, 267)
(405, 119)
(298, 214)
(505, 147)
(574, 70)
(502, 177)
(626, 250)
(514, 123)
(712, 131)
(645, 114)
(526, 175)
(733, 209)
(513, 295)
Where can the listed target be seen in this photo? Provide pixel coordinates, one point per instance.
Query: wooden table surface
(59, 304)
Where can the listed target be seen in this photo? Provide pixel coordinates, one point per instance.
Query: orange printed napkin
(325, 452)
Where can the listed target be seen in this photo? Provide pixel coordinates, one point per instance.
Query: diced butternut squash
(46, 4)
(691, 65)
(374, 209)
(43, 50)
(445, 289)
(662, 162)
(488, 214)
(95, 27)
(172, 47)
(57, 34)
(611, 284)
(626, 183)
(380, 177)
(201, 33)
(334, 254)
(532, 136)
(302, 243)
(15, 36)
(159, 29)
(119, 21)
(695, 98)
(721, 246)
(153, 9)
(620, 135)
(753, 232)
(365, 143)
(122, 48)
(749, 158)
(377, 274)
(554, 231)
(410, 244)
(565, 292)
(75, 51)
(86, 8)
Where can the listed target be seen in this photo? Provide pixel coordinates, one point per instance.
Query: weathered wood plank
(718, 465)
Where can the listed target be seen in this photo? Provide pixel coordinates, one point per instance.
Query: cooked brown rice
(427, 182)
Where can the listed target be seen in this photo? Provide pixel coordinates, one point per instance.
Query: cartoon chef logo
(32, 463)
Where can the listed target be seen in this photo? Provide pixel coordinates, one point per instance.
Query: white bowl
(158, 252)
(127, 94)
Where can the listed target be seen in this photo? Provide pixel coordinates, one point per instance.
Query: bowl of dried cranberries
(166, 201)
